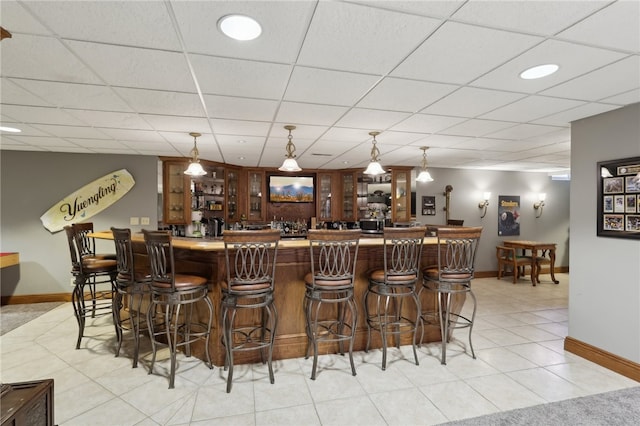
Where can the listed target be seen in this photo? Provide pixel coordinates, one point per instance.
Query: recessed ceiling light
(539, 71)
(240, 27)
(10, 129)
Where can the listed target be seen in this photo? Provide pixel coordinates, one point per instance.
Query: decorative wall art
(508, 215)
(619, 198)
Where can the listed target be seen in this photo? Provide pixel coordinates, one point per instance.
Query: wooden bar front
(206, 258)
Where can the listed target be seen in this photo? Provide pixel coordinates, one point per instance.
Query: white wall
(468, 188)
(604, 298)
(32, 182)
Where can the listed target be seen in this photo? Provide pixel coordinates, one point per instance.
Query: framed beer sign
(619, 198)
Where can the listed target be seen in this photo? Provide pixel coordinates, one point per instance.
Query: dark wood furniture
(508, 259)
(27, 403)
(537, 253)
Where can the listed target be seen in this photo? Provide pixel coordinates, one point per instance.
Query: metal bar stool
(331, 282)
(250, 258)
(392, 284)
(172, 291)
(451, 281)
(132, 283)
(89, 272)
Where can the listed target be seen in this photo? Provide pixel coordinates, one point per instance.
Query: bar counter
(205, 257)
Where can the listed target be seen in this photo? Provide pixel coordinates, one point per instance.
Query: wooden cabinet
(208, 192)
(255, 195)
(326, 207)
(176, 208)
(348, 196)
(27, 403)
(401, 195)
(232, 196)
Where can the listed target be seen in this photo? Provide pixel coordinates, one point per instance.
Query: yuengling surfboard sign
(88, 201)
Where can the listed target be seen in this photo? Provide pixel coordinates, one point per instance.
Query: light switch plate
(134, 221)
(144, 221)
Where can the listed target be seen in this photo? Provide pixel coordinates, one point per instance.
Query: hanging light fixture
(195, 168)
(374, 167)
(424, 175)
(290, 164)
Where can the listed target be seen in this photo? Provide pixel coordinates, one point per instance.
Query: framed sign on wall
(619, 198)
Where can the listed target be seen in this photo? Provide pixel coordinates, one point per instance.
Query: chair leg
(444, 325)
(366, 318)
(152, 332)
(116, 306)
(173, 315)
(473, 319)
(351, 303)
(77, 298)
(273, 319)
(418, 319)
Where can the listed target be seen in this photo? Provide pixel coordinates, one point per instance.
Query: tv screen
(291, 189)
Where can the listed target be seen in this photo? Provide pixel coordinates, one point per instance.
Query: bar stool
(172, 291)
(89, 272)
(87, 244)
(450, 280)
(132, 283)
(331, 281)
(392, 284)
(250, 258)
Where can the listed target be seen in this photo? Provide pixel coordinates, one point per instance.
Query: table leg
(552, 258)
(534, 266)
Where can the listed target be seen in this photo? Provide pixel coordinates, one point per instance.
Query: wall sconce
(484, 204)
(540, 204)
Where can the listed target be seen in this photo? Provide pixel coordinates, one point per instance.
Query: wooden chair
(508, 259)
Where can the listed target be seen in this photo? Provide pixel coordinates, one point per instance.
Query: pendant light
(424, 175)
(290, 164)
(374, 167)
(195, 168)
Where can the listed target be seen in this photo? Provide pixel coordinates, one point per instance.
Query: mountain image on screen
(291, 194)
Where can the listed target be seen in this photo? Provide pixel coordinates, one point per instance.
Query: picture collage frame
(619, 198)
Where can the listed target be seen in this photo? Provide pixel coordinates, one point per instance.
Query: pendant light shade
(374, 167)
(195, 168)
(424, 175)
(290, 164)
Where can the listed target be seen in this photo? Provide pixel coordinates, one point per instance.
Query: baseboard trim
(35, 298)
(603, 358)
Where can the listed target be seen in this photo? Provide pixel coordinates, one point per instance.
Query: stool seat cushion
(138, 276)
(308, 279)
(433, 274)
(93, 265)
(378, 275)
(255, 286)
(183, 282)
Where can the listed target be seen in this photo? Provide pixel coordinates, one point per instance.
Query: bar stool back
(93, 274)
(172, 291)
(392, 284)
(132, 283)
(331, 281)
(457, 249)
(87, 244)
(250, 258)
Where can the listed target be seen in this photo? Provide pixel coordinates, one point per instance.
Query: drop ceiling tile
(236, 77)
(620, 77)
(118, 22)
(477, 127)
(299, 113)
(162, 102)
(564, 118)
(137, 68)
(122, 120)
(47, 59)
(13, 93)
(462, 53)
(283, 28)
(99, 143)
(472, 102)
(481, 144)
(39, 115)
(170, 123)
(305, 131)
(444, 141)
(46, 142)
(327, 87)
(72, 131)
(240, 127)
(133, 135)
(522, 131)
(26, 129)
(621, 21)
(398, 94)
(16, 18)
(560, 136)
(397, 138)
(432, 8)
(371, 118)
(535, 17)
(573, 60)
(240, 108)
(427, 123)
(344, 134)
(531, 108)
(351, 37)
(627, 98)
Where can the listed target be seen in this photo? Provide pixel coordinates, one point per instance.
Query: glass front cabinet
(401, 195)
(176, 205)
(348, 203)
(256, 191)
(325, 207)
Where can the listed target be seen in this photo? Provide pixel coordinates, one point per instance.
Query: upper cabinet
(208, 193)
(176, 205)
(255, 195)
(401, 195)
(327, 191)
(348, 200)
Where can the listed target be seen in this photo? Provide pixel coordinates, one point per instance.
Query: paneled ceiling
(135, 77)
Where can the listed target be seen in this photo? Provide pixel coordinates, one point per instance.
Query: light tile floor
(518, 338)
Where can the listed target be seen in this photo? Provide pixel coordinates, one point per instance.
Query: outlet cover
(144, 221)
(134, 221)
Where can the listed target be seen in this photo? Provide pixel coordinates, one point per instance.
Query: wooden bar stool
(451, 278)
(250, 258)
(92, 273)
(132, 284)
(390, 285)
(172, 291)
(331, 282)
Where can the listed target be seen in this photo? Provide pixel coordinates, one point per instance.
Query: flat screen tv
(291, 189)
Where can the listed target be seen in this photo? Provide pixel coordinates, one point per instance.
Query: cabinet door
(176, 193)
(232, 196)
(325, 208)
(208, 192)
(255, 194)
(348, 196)
(401, 196)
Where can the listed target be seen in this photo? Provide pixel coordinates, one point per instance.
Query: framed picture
(428, 205)
(508, 215)
(618, 201)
